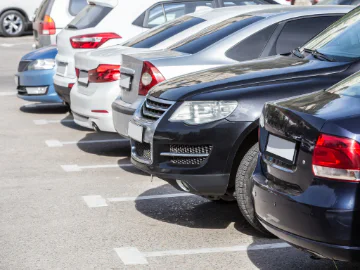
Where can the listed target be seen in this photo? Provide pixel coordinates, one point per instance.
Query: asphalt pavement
(70, 199)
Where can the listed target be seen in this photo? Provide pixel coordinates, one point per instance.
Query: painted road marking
(39, 105)
(94, 201)
(132, 256)
(57, 143)
(45, 122)
(77, 168)
(9, 93)
(9, 45)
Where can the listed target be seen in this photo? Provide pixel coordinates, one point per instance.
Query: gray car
(276, 30)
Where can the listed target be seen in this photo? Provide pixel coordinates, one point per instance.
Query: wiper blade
(71, 26)
(318, 54)
(297, 53)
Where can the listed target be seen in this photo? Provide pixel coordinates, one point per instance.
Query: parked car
(240, 38)
(199, 132)
(306, 182)
(51, 17)
(94, 28)
(97, 85)
(16, 16)
(34, 77)
(337, 2)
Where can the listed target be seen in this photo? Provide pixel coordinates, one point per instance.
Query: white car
(97, 86)
(16, 16)
(51, 17)
(109, 22)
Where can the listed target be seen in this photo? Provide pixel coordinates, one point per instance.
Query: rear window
(214, 33)
(44, 9)
(76, 6)
(163, 32)
(347, 87)
(89, 17)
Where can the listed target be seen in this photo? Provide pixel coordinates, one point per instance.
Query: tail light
(104, 73)
(71, 85)
(337, 158)
(150, 76)
(77, 71)
(91, 41)
(48, 26)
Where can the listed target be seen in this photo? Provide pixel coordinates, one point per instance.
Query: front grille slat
(154, 108)
(181, 154)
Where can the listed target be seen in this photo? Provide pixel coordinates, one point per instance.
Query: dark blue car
(34, 78)
(307, 180)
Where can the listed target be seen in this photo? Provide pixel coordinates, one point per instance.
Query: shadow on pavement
(110, 149)
(41, 109)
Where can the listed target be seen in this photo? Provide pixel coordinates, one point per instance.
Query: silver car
(240, 38)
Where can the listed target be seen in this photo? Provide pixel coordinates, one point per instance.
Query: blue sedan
(34, 78)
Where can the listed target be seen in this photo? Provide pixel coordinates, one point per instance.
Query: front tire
(243, 188)
(12, 23)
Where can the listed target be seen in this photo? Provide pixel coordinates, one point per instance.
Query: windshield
(214, 33)
(347, 87)
(159, 34)
(341, 40)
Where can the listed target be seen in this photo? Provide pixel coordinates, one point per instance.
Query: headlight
(42, 64)
(200, 112)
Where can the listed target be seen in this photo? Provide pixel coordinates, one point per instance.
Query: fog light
(36, 90)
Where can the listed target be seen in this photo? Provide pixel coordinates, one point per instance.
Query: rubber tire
(17, 13)
(243, 188)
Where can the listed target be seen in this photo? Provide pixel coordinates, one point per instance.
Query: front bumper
(37, 78)
(123, 113)
(198, 156)
(323, 219)
(94, 97)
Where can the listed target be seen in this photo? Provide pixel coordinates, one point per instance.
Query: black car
(307, 177)
(199, 132)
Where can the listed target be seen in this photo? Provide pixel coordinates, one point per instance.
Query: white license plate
(83, 77)
(61, 68)
(125, 81)
(280, 147)
(135, 132)
(17, 83)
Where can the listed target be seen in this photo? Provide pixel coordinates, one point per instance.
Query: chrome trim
(127, 71)
(160, 100)
(155, 108)
(277, 166)
(170, 154)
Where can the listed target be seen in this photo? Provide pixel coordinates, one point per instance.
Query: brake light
(48, 26)
(104, 73)
(91, 41)
(337, 158)
(77, 71)
(150, 76)
(71, 85)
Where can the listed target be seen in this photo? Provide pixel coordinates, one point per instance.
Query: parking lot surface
(70, 199)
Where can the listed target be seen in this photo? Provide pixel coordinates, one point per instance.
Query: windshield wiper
(319, 55)
(71, 26)
(297, 53)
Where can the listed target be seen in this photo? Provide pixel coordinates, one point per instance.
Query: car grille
(181, 154)
(143, 151)
(23, 65)
(154, 108)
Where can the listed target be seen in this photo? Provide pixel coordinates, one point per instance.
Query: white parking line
(57, 143)
(39, 105)
(132, 256)
(9, 93)
(45, 122)
(94, 201)
(77, 168)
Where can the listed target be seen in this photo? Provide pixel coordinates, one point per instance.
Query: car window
(89, 17)
(295, 33)
(253, 46)
(347, 87)
(155, 36)
(355, 3)
(214, 33)
(44, 8)
(76, 6)
(243, 3)
(167, 12)
(341, 40)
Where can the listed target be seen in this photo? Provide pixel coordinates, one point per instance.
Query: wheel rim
(12, 24)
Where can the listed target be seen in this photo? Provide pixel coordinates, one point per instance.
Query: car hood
(259, 72)
(49, 52)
